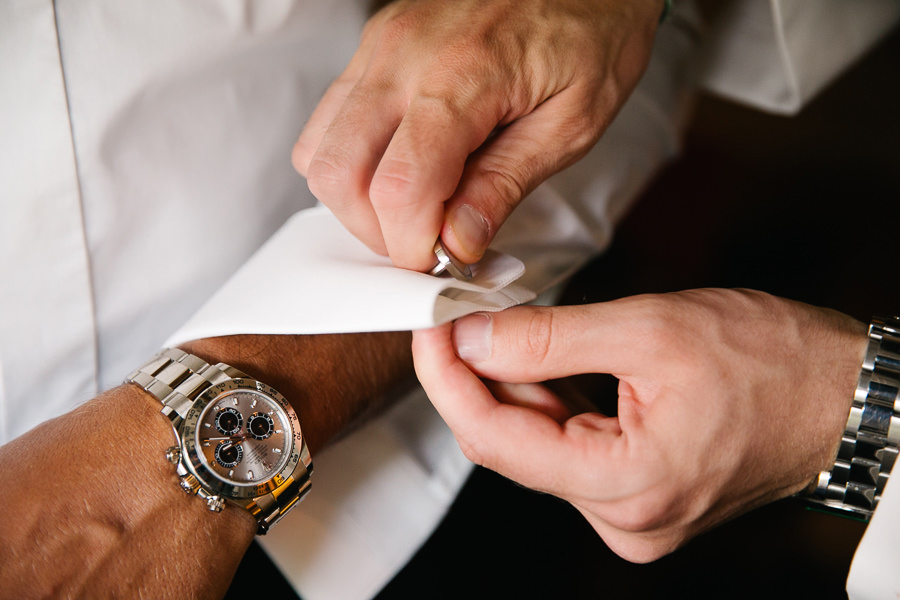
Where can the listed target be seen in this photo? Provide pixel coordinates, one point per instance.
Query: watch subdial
(229, 421)
(260, 426)
(229, 454)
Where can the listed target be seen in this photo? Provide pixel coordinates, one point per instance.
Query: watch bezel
(212, 482)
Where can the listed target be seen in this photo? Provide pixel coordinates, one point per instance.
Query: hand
(728, 399)
(450, 113)
(93, 510)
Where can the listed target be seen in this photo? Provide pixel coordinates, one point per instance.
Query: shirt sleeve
(777, 55)
(874, 574)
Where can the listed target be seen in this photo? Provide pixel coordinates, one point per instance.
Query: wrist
(96, 479)
(854, 480)
(157, 486)
(238, 439)
(331, 381)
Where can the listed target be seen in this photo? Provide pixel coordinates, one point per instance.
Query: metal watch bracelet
(177, 379)
(869, 445)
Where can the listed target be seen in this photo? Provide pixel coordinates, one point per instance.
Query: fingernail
(470, 228)
(472, 337)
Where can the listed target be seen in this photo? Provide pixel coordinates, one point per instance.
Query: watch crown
(189, 484)
(173, 454)
(215, 504)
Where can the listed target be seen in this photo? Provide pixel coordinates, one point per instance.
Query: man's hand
(92, 509)
(728, 399)
(450, 113)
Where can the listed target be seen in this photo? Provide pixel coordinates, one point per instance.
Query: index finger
(340, 171)
(419, 171)
(585, 452)
(330, 104)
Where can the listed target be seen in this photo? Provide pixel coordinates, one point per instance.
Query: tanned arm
(92, 508)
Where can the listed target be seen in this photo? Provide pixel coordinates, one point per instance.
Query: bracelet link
(869, 445)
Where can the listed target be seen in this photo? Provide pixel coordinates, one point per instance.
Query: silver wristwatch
(237, 439)
(870, 442)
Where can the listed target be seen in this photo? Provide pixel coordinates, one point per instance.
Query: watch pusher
(191, 485)
(173, 454)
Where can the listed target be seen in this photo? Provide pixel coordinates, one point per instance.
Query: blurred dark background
(804, 207)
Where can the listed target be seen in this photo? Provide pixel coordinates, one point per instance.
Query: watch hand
(234, 439)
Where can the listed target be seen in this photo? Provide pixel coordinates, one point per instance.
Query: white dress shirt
(144, 157)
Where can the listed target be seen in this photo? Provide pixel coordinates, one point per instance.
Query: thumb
(531, 344)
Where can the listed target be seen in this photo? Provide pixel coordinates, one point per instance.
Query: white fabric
(406, 455)
(874, 574)
(144, 157)
(778, 55)
(46, 333)
(323, 292)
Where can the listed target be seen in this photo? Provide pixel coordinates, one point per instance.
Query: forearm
(95, 509)
(332, 381)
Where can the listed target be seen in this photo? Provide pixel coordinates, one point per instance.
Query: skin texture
(92, 509)
(728, 399)
(450, 113)
(468, 103)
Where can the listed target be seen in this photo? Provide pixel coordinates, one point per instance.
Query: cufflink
(447, 263)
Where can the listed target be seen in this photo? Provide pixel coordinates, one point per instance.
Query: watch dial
(243, 437)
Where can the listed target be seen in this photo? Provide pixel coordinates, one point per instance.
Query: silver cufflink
(447, 263)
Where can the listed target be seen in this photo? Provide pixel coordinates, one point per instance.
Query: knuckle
(505, 184)
(478, 448)
(397, 29)
(642, 514)
(441, 107)
(471, 451)
(327, 178)
(539, 338)
(393, 184)
(582, 123)
(582, 134)
(657, 325)
(300, 157)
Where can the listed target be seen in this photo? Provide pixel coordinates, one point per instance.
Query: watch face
(243, 437)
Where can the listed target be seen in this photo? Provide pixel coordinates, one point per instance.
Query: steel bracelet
(869, 445)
